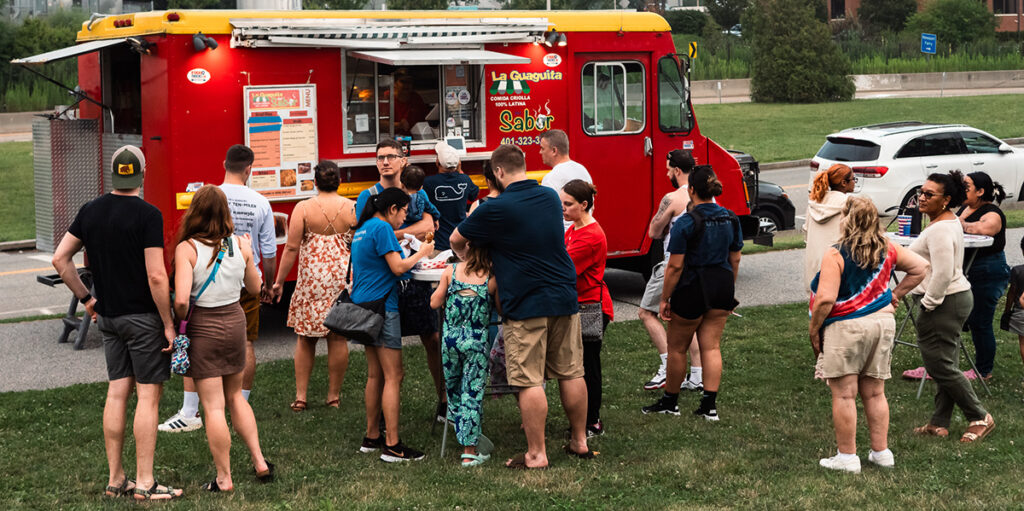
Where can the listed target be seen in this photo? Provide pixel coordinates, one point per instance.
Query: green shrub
(686, 22)
(954, 22)
(726, 12)
(886, 15)
(795, 59)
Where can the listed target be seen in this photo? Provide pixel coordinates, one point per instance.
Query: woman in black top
(989, 274)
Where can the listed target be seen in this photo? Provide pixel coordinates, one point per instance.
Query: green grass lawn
(780, 132)
(17, 194)
(776, 424)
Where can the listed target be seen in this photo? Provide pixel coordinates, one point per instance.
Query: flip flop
(519, 463)
(334, 403)
(213, 487)
(267, 476)
(298, 405)
(589, 455)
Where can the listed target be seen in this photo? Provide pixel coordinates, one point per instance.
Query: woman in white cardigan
(829, 190)
(946, 301)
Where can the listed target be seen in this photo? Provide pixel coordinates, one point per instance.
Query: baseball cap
(127, 166)
(446, 155)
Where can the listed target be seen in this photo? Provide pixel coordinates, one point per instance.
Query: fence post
(719, 93)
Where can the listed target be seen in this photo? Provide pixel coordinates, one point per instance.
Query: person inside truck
(409, 105)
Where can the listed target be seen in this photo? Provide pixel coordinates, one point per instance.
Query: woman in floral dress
(320, 235)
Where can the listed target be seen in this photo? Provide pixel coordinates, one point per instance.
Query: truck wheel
(770, 221)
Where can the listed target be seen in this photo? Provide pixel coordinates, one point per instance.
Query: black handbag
(591, 321)
(360, 322)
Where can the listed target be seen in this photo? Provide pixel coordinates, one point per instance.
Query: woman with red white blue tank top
(852, 327)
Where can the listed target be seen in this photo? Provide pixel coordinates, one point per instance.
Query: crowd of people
(531, 256)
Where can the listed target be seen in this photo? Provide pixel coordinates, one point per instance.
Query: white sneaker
(178, 423)
(882, 459)
(851, 464)
(657, 381)
(689, 384)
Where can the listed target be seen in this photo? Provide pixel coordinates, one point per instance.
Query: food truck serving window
(424, 102)
(613, 98)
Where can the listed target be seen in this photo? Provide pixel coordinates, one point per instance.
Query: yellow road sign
(693, 50)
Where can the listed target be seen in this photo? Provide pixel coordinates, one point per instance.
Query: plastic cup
(903, 223)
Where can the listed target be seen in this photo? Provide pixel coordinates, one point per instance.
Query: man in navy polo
(522, 229)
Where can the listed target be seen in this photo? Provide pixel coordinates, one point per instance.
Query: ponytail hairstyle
(993, 190)
(581, 191)
(704, 183)
(828, 180)
(382, 203)
(327, 176)
(860, 233)
(953, 187)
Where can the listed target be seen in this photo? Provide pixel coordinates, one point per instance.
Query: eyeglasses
(388, 157)
(926, 194)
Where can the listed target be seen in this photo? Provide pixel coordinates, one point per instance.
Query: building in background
(1008, 12)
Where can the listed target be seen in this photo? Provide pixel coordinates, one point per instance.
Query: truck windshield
(673, 97)
(848, 149)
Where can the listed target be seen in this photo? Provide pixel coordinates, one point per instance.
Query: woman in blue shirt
(377, 266)
(698, 293)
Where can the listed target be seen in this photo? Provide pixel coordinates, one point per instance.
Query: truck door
(613, 141)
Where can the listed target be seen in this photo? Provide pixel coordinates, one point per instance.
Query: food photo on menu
(306, 185)
(287, 177)
(304, 168)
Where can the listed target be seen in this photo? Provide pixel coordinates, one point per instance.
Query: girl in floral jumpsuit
(467, 292)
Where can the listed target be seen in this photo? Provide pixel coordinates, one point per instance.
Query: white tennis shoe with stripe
(178, 423)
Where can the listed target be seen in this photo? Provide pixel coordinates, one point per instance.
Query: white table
(972, 242)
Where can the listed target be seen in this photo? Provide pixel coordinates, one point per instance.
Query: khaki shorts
(545, 347)
(651, 301)
(861, 346)
(251, 306)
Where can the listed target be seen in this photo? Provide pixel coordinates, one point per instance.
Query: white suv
(891, 161)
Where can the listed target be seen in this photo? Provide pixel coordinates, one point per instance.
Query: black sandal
(212, 486)
(121, 490)
(156, 493)
(267, 475)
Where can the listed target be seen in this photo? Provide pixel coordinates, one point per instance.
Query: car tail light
(815, 165)
(870, 171)
(121, 23)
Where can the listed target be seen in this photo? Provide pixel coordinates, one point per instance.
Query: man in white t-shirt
(554, 152)
(251, 214)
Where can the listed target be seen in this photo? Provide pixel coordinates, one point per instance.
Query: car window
(938, 144)
(848, 149)
(978, 143)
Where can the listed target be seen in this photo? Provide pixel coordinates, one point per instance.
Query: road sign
(693, 50)
(928, 43)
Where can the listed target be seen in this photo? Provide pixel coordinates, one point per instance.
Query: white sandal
(472, 460)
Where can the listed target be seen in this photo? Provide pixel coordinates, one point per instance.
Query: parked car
(735, 30)
(768, 201)
(891, 161)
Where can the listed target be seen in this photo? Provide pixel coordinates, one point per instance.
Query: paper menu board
(280, 127)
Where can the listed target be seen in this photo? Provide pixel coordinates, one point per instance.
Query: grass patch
(38, 317)
(782, 132)
(776, 423)
(786, 240)
(17, 195)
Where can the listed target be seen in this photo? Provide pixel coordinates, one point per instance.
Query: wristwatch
(85, 299)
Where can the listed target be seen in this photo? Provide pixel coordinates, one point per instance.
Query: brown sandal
(334, 403)
(932, 430)
(977, 430)
(298, 405)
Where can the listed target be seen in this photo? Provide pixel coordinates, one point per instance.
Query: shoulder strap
(373, 189)
(224, 247)
(698, 230)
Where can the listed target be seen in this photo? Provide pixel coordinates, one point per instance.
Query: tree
(882, 15)
(726, 12)
(794, 59)
(955, 22)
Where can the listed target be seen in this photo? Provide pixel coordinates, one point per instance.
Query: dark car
(768, 201)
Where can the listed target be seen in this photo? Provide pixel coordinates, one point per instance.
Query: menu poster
(280, 127)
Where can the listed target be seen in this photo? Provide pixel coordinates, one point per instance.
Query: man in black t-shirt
(123, 236)
(450, 191)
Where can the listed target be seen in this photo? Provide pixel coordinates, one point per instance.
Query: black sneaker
(710, 415)
(661, 406)
(371, 444)
(595, 429)
(397, 453)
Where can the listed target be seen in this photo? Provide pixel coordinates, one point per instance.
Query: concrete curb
(776, 165)
(18, 245)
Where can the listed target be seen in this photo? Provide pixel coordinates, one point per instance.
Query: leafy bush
(22, 90)
(886, 15)
(686, 22)
(954, 22)
(726, 12)
(795, 59)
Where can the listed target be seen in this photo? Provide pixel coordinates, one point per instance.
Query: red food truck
(300, 86)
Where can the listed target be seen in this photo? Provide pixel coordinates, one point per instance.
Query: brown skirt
(217, 341)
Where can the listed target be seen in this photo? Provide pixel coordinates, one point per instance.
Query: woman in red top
(588, 248)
